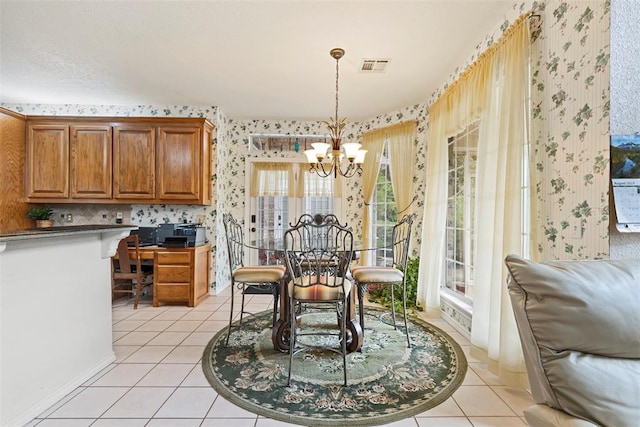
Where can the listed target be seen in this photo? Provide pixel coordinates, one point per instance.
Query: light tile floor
(157, 379)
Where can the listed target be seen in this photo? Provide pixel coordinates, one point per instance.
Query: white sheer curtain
(313, 185)
(503, 135)
(272, 179)
(495, 89)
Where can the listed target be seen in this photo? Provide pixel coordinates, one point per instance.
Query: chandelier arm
(325, 173)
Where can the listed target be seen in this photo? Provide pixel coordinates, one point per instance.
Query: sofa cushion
(544, 416)
(579, 323)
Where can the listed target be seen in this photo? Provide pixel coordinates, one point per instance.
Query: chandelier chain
(337, 77)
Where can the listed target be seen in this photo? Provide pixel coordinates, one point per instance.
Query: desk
(180, 275)
(280, 332)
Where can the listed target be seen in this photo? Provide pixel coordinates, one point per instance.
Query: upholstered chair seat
(381, 275)
(259, 273)
(325, 289)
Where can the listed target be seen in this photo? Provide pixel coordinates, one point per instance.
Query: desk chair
(388, 276)
(248, 278)
(317, 254)
(127, 275)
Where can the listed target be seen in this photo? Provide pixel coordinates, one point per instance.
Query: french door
(276, 205)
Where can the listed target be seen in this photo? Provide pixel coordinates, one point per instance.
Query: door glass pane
(271, 220)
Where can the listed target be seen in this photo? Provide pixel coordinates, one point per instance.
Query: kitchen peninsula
(55, 314)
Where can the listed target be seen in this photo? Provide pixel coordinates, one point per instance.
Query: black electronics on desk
(181, 235)
(147, 236)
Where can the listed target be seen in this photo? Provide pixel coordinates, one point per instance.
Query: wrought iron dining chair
(317, 254)
(388, 275)
(248, 278)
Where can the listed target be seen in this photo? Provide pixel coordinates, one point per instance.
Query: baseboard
(38, 408)
(456, 314)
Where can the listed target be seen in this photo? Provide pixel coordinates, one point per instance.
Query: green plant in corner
(382, 294)
(40, 213)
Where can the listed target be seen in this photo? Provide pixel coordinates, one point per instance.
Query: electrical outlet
(119, 218)
(69, 217)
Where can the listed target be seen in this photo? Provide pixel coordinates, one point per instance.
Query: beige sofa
(579, 323)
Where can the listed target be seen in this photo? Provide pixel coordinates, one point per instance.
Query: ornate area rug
(386, 381)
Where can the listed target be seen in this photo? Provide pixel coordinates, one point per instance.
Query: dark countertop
(69, 230)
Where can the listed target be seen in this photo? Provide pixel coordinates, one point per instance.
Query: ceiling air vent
(374, 65)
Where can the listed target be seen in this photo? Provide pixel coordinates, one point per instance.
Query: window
(460, 229)
(384, 210)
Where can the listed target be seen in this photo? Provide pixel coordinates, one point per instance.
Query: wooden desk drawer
(173, 292)
(173, 273)
(174, 257)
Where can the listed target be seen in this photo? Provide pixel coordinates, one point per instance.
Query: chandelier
(327, 159)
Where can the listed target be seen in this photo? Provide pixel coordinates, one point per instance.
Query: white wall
(625, 98)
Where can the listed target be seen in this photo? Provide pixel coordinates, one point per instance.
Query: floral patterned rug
(386, 381)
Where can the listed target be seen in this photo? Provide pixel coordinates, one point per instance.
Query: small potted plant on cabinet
(42, 216)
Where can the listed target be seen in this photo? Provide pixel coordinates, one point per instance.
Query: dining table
(281, 329)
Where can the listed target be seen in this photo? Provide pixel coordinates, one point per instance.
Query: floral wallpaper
(570, 128)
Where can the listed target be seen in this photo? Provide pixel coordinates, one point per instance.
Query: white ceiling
(253, 59)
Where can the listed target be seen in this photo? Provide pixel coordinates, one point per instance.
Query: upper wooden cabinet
(134, 164)
(118, 160)
(90, 167)
(47, 161)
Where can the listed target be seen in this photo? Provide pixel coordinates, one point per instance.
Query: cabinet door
(47, 161)
(91, 162)
(134, 154)
(179, 163)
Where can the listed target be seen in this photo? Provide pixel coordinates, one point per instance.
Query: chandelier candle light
(334, 153)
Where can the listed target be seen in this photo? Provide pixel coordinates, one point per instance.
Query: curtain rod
(391, 127)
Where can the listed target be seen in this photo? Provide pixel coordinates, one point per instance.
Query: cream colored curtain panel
(494, 89)
(272, 179)
(373, 142)
(402, 159)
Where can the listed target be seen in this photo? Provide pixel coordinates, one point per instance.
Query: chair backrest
(401, 238)
(319, 251)
(235, 241)
(318, 231)
(124, 260)
(317, 218)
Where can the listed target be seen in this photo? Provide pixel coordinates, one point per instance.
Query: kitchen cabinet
(13, 208)
(178, 156)
(90, 164)
(118, 160)
(47, 161)
(134, 164)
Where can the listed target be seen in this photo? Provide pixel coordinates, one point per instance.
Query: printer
(147, 236)
(181, 235)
